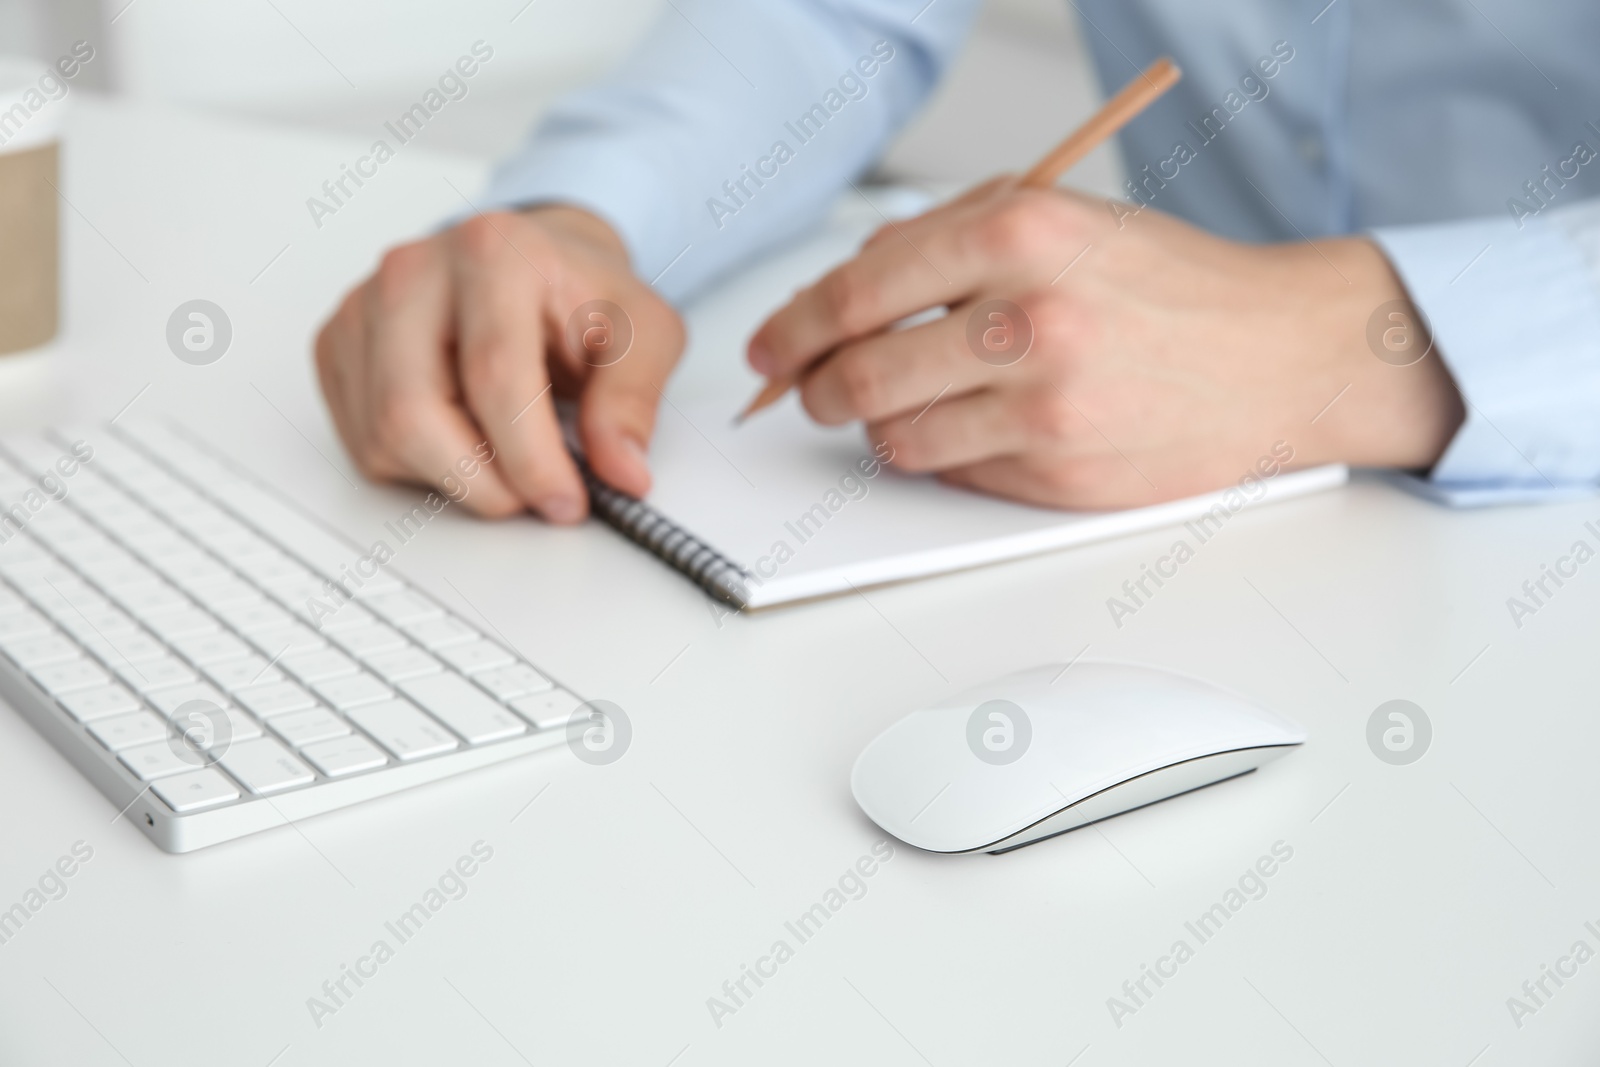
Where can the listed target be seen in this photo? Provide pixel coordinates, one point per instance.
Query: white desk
(1417, 900)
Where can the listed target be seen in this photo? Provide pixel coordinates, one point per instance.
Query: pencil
(1117, 112)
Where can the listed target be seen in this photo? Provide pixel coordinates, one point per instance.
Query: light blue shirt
(1462, 135)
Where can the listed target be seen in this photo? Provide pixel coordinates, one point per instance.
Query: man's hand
(467, 337)
(1164, 361)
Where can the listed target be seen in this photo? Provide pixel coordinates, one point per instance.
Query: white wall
(347, 65)
(350, 64)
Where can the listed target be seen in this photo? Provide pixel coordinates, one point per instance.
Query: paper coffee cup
(32, 99)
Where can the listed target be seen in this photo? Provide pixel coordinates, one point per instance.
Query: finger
(1088, 483)
(617, 410)
(413, 417)
(939, 259)
(941, 213)
(501, 350)
(889, 279)
(898, 371)
(340, 356)
(956, 432)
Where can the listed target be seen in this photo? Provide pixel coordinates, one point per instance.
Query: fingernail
(760, 357)
(562, 509)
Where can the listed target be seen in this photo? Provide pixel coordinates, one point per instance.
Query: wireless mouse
(1053, 748)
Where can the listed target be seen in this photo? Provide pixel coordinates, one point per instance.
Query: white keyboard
(176, 631)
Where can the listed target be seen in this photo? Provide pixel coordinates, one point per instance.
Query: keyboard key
(403, 607)
(345, 615)
(238, 674)
(318, 666)
(475, 656)
(224, 593)
(175, 500)
(407, 733)
(301, 728)
(150, 599)
(79, 542)
(464, 708)
(89, 704)
(257, 618)
(205, 528)
(118, 732)
(239, 549)
(206, 649)
(352, 692)
(548, 710)
(35, 572)
(88, 545)
(515, 681)
(210, 526)
(153, 675)
(192, 568)
(62, 603)
(123, 648)
(407, 663)
(168, 701)
(195, 790)
(38, 651)
(267, 569)
(107, 622)
(111, 568)
(151, 538)
(61, 678)
(190, 508)
(121, 578)
(159, 760)
(22, 624)
(346, 755)
(286, 641)
(434, 634)
(58, 528)
(364, 641)
(171, 625)
(264, 766)
(211, 733)
(269, 700)
(10, 602)
(19, 550)
(298, 592)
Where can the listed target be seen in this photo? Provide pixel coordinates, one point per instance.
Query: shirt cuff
(1515, 316)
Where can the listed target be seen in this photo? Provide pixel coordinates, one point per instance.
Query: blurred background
(345, 66)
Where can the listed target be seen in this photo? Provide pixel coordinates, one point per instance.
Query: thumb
(617, 411)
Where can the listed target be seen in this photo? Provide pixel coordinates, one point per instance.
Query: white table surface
(1418, 899)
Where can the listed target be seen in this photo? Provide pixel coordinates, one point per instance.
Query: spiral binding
(685, 553)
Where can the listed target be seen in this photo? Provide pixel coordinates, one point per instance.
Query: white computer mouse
(1052, 748)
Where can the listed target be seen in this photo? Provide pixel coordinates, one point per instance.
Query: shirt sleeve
(734, 126)
(1514, 306)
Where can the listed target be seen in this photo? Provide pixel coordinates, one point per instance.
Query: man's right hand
(468, 336)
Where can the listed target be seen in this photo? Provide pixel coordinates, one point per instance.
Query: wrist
(1402, 407)
(575, 223)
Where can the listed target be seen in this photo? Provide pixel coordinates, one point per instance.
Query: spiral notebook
(781, 509)
(811, 514)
